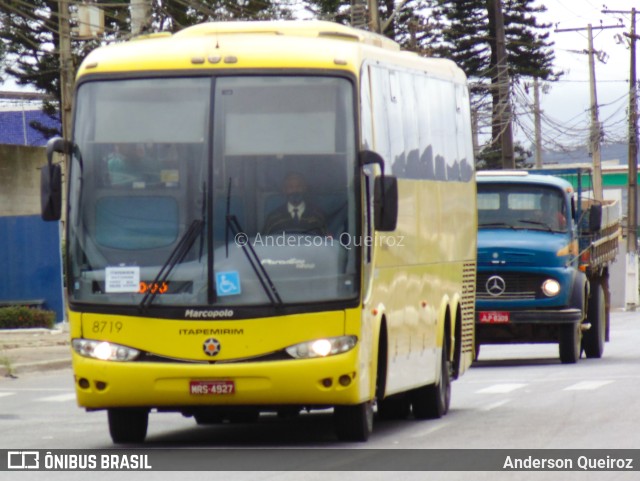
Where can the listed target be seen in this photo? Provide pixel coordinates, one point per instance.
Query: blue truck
(544, 250)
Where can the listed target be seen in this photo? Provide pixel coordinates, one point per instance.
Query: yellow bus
(194, 287)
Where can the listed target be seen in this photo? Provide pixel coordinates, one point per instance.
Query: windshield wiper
(496, 224)
(233, 225)
(535, 222)
(176, 256)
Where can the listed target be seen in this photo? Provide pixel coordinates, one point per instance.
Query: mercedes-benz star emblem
(211, 347)
(495, 286)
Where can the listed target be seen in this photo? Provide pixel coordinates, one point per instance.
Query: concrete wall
(20, 179)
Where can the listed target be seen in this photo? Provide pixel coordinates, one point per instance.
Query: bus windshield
(227, 191)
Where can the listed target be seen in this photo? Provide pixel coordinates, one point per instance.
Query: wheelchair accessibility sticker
(228, 283)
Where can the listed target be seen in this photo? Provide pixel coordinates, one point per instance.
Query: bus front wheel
(354, 423)
(128, 425)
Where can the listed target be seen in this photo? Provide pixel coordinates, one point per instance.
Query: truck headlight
(322, 347)
(103, 350)
(551, 287)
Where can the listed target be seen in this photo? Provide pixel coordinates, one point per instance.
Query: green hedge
(20, 317)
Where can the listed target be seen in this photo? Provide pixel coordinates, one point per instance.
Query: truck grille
(508, 286)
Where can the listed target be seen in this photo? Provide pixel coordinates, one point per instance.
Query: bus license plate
(494, 317)
(212, 388)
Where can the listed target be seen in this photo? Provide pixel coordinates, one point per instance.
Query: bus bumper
(329, 381)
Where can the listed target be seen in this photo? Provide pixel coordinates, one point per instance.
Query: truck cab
(534, 280)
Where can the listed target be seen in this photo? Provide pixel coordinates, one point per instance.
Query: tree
(413, 24)
(29, 34)
(491, 157)
(470, 40)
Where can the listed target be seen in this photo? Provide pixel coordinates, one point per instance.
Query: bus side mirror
(385, 202)
(595, 217)
(385, 194)
(51, 181)
(369, 157)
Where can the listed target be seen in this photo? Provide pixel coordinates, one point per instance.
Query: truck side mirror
(51, 181)
(595, 217)
(385, 202)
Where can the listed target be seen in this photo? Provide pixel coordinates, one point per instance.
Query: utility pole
(632, 215)
(537, 121)
(374, 18)
(140, 14)
(596, 128)
(631, 285)
(632, 235)
(66, 68)
(504, 106)
(474, 132)
(595, 122)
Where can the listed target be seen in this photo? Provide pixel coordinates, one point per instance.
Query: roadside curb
(59, 328)
(26, 367)
(34, 349)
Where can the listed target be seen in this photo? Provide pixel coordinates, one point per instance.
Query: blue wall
(13, 124)
(31, 261)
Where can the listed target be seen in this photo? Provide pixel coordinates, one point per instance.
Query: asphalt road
(514, 397)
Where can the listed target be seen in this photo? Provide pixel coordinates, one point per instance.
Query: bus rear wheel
(433, 401)
(354, 423)
(397, 407)
(128, 425)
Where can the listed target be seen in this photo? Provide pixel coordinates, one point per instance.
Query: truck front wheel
(570, 343)
(593, 339)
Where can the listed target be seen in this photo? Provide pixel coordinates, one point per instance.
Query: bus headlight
(322, 347)
(103, 350)
(551, 287)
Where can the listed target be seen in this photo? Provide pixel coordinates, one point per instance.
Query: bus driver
(296, 215)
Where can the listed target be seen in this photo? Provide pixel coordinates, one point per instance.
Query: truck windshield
(504, 206)
(204, 191)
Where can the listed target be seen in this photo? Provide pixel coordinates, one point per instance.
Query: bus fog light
(322, 347)
(551, 287)
(105, 351)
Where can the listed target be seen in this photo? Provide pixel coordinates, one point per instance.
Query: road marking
(3, 394)
(501, 388)
(587, 385)
(429, 431)
(495, 405)
(59, 398)
(36, 389)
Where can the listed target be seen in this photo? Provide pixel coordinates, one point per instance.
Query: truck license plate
(212, 388)
(494, 317)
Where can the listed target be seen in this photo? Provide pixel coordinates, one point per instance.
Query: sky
(566, 105)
